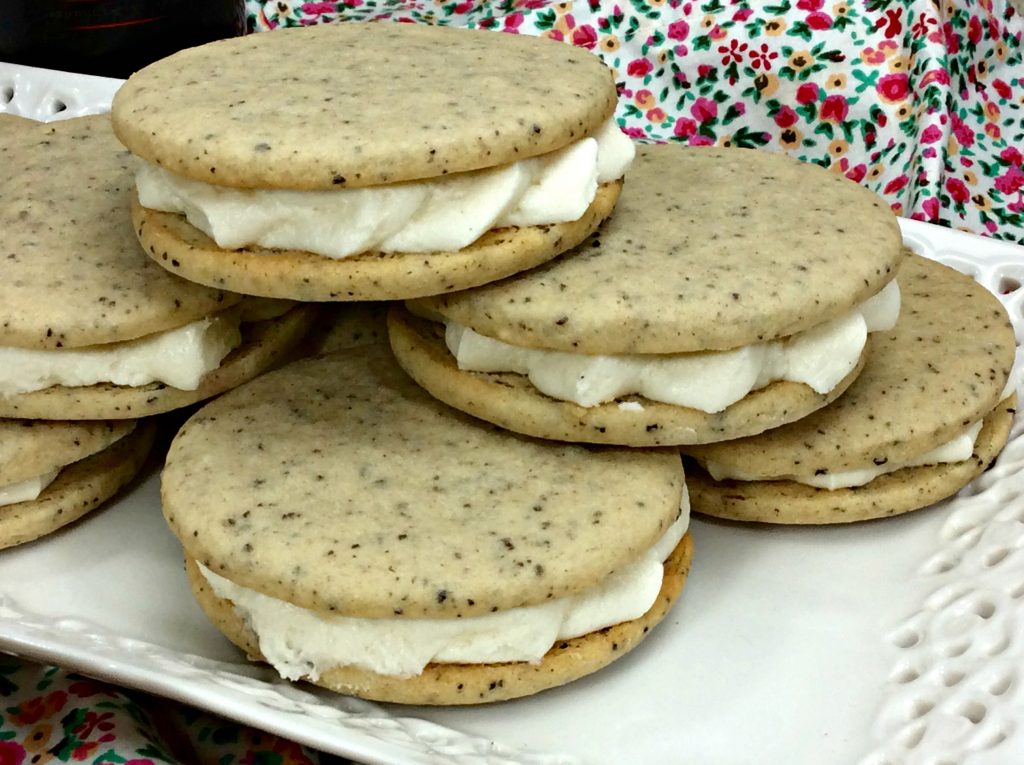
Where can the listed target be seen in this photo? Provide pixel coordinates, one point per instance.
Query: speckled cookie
(73, 273)
(944, 366)
(492, 100)
(29, 448)
(511, 401)
(189, 253)
(265, 344)
(457, 100)
(709, 249)
(890, 494)
(78, 489)
(461, 684)
(347, 325)
(338, 485)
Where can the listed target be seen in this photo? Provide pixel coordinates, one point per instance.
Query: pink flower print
(810, 5)
(464, 7)
(893, 88)
(931, 208)
(951, 37)
(1012, 155)
(704, 109)
(819, 21)
(684, 127)
(742, 14)
(871, 56)
(992, 130)
(994, 32)
(513, 21)
(701, 140)
(717, 33)
(1011, 181)
(834, 109)
(964, 134)
(703, 70)
(857, 172)
(785, 117)
(939, 76)
(739, 108)
(1002, 88)
(892, 22)
(929, 152)
(656, 115)
(974, 30)
(585, 37)
(314, 9)
(11, 753)
(931, 134)
(678, 30)
(634, 132)
(553, 34)
(761, 58)
(895, 184)
(807, 93)
(734, 52)
(639, 67)
(957, 190)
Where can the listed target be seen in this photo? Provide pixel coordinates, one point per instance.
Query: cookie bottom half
(461, 684)
(891, 494)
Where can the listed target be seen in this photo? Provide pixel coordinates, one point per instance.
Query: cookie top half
(338, 485)
(71, 270)
(29, 448)
(349, 105)
(709, 249)
(942, 368)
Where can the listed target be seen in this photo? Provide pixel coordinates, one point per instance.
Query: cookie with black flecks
(53, 473)
(90, 328)
(488, 155)
(346, 527)
(733, 291)
(931, 410)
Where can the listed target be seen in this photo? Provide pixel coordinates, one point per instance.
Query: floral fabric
(50, 715)
(920, 100)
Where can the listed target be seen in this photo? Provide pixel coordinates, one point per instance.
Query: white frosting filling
(302, 643)
(957, 449)
(420, 216)
(179, 358)
(27, 490)
(709, 381)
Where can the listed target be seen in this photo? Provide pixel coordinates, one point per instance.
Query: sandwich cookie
(443, 159)
(733, 291)
(344, 526)
(90, 328)
(930, 411)
(52, 473)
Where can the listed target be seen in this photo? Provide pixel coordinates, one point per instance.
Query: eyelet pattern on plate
(954, 692)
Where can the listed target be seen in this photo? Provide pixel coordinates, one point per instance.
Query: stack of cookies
(93, 335)
(420, 555)
(340, 522)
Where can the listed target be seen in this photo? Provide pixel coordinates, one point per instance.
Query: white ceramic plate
(899, 641)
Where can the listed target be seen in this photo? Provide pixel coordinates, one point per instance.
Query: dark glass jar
(112, 38)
